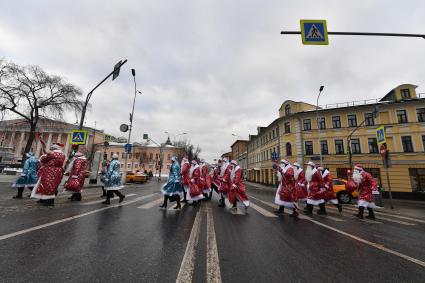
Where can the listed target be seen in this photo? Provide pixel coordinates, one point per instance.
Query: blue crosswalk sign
(78, 137)
(380, 135)
(314, 32)
(128, 147)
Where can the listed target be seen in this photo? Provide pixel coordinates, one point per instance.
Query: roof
(236, 141)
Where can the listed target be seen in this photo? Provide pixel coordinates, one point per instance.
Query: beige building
(401, 112)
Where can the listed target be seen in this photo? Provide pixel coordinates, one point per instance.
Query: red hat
(358, 167)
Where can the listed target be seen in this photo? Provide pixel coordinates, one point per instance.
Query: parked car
(138, 177)
(342, 195)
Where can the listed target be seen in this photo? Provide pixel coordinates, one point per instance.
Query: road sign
(124, 128)
(107, 138)
(314, 32)
(117, 68)
(380, 135)
(127, 147)
(78, 137)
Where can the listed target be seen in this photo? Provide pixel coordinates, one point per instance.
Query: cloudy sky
(213, 68)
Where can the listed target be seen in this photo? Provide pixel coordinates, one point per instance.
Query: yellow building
(401, 112)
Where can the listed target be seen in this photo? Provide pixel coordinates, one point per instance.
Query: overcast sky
(213, 68)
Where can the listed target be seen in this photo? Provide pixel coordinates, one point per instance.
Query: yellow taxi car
(342, 195)
(137, 177)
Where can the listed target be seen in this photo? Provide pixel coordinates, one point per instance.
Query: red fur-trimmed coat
(314, 186)
(205, 177)
(50, 173)
(77, 175)
(287, 184)
(226, 181)
(301, 186)
(237, 188)
(185, 170)
(366, 187)
(327, 185)
(195, 185)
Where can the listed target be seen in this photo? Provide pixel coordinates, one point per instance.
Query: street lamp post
(160, 154)
(318, 126)
(133, 72)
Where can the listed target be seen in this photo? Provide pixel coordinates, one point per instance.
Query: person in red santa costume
(215, 180)
(225, 181)
(315, 193)
(195, 192)
(285, 194)
(77, 170)
(50, 174)
(185, 172)
(237, 190)
(300, 182)
(367, 187)
(205, 179)
(327, 186)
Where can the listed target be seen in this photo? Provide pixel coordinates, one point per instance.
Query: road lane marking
(213, 263)
(102, 200)
(187, 266)
(14, 234)
(382, 218)
(375, 245)
(262, 211)
(331, 218)
(394, 215)
(151, 204)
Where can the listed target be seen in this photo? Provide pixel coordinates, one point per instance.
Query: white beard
(309, 173)
(357, 177)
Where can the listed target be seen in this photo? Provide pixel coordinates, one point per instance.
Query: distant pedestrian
(77, 170)
(28, 177)
(315, 194)
(237, 190)
(367, 187)
(50, 174)
(286, 194)
(195, 192)
(330, 196)
(105, 164)
(173, 189)
(205, 179)
(225, 180)
(113, 180)
(185, 178)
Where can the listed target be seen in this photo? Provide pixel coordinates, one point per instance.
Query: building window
(339, 146)
(423, 142)
(273, 134)
(373, 146)
(401, 116)
(309, 148)
(150, 156)
(307, 124)
(169, 157)
(322, 123)
(324, 147)
(336, 122)
(287, 127)
(417, 179)
(355, 146)
(368, 118)
(352, 120)
(421, 114)
(123, 155)
(288, 149)
(287, 110)
(407, 143)
(405, 93)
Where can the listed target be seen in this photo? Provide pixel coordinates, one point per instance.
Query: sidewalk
(403, 207)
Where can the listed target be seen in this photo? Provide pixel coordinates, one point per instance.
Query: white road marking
(262, 210)
(188, 263)
(6, 236)
(383, 218)
(152, 203)
(375, 245)
(331, 218)
(213, 263)
(102, 200)
(393, 215)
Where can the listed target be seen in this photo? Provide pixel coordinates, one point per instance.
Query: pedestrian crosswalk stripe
(393, 215)
(331, 218)
(102, 200)
(151, 203)
(262, 211)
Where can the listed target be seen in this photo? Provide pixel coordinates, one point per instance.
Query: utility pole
(318, 125)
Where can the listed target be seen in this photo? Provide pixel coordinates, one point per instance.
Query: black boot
(280, 210)
(164, 204)
(339, 206)
(178, 206)
(294, 213)
(308, 209)
(360, 214)
(371, 214)
(72, 197)
(322, 209)
(221, 202)
(77, 197)
(120, 195)
(19, 194)
(50, 202)
(103, 192)
(108, 197)
(184, 197)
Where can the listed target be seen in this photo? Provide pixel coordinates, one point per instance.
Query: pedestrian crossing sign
(314, 32)
(380, 135)
(78, 137)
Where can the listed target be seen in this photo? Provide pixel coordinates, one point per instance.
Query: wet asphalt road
(137, 242)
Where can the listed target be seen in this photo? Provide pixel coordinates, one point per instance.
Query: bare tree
(31, 93)
(191, 151)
